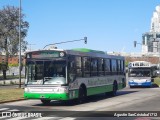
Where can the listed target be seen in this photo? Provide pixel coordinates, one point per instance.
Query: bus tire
(114, 90)
(46, 102)
(81, 95)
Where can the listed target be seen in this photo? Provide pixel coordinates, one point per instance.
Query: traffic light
(85, 40)
(135, 42)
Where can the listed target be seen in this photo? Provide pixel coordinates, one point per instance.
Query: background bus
(140, 73)
(71, 74)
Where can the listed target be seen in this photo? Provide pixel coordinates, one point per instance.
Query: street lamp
(135, 44)
(85, 41)
(19, 43)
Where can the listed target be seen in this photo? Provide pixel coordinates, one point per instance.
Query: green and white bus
(72, 74)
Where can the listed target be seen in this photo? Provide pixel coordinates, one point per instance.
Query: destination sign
(45, 54)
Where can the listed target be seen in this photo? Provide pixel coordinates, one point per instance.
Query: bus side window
(71, 68)
(107, 66)
(78, 62)
(118, 67)
(86, 66)
(114, 66)
(122, 67)
(100, 67)
(94, 66)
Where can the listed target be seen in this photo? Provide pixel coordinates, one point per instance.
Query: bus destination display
(46, 54)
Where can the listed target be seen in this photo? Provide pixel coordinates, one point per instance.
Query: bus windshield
(139, 72)
(46, 72)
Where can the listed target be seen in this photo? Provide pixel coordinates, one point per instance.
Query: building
(151, 42)
(155, 20)
(130, 57)
(11, 60)
(151, 39)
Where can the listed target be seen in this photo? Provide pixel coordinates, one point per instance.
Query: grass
(10, 94)
(157, 81)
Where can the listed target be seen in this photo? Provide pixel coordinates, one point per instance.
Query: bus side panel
(99, 89)
(102, 89)
(121, 86)
(50, 96)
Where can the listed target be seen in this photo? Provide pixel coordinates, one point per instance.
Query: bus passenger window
(71, 68)
(78, 66)
(114, 66)
(107, 66)
(86, 65)
(100, 67)
(94, 67)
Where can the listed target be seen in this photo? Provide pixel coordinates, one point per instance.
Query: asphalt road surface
(129, 104)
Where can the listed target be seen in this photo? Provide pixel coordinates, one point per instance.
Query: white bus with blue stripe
(140, 74)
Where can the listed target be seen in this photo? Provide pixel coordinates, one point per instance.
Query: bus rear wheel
(114, 90)
(82, 95)
(46, 102)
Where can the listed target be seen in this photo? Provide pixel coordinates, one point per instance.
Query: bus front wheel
(46, 102)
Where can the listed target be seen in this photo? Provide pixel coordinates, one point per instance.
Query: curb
(12, 100)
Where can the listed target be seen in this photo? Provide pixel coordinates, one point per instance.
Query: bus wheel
(46, 102)
(82, 95)
(114, 90)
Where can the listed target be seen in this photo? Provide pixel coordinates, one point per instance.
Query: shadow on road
(155, 85)
(93, 98)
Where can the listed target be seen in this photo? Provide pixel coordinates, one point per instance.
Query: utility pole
(19, 43)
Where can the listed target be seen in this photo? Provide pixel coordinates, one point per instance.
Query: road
(127, 100)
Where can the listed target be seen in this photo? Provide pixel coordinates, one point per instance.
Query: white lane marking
(2, 109)
(13, 110)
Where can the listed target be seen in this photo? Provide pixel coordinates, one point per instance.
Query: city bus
(72, 74)
(140, 73)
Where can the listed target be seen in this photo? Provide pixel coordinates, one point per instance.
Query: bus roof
(87, 50)
(82, 52)
(92, 53)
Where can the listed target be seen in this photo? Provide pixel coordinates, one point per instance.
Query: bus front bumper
(140, 84)
(49, 96)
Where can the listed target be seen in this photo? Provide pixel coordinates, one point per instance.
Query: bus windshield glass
(46, 72)
(139, 72)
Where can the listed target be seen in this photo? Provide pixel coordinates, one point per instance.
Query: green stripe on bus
(98, 90)
(87, 50)
(51, 96)
(65, 96)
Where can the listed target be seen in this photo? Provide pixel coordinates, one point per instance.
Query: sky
(109, 25)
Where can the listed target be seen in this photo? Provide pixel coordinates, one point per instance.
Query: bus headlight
(62, 90)
(148, 80)
(26, 89)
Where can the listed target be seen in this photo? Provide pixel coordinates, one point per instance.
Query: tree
(9, 33)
